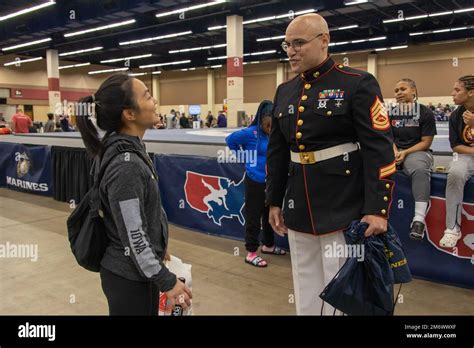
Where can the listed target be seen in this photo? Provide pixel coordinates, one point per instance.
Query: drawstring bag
(366, 287)
(396, 256)
(392, 247)
(362, 287)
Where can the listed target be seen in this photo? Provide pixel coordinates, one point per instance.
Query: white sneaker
(450, 238)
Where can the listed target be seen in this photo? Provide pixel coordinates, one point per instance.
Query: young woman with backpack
(132, 269)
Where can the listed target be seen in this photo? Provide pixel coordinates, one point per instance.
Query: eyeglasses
(296, 44)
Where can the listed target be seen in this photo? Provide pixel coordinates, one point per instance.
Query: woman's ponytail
(88, 130)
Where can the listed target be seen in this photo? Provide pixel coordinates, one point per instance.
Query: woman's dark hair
(113, 96)
(50, 116)
(412, 84)
(468, 81)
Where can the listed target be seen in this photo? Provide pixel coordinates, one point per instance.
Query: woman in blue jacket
(253, 140)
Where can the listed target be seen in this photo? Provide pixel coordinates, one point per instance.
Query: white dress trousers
(313, 270)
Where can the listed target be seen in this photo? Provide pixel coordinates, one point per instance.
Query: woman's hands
(400, 156)
(180, 295)
(468, 118)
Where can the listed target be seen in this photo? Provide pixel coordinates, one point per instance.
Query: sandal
(450, 238)
(276, 251)
(256, 261)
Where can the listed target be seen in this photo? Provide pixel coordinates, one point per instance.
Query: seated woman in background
(413, 130)
(461, 138)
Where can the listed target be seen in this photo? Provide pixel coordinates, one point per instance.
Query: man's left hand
(377, 225)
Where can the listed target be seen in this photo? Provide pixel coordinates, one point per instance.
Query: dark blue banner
(26, 168)
(428, 260)
(201, 194)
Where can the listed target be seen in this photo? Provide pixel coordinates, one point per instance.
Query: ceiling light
(104, 27)
(355, 2)
(164, 64)
(415, 17)
(464, 10)
(398, 47)
(197, 48)
(73, 66)
(279, 37)
(29, 43)
(348, 27)
(393, 20)
(154, 38)
(126, 58)
(181, 10)
(22, 61)
(216, 66)
(80, 51)
(27, 10)
(215, 58)
(440, 13)
(262, 52)
(378, 38)
(428, 15)
(441, 31)
(156, 72)
(138, 74)
(263, 19)
(459, 28)
(217, 27)
(106, 71)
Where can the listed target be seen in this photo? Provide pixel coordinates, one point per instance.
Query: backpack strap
(98, 170)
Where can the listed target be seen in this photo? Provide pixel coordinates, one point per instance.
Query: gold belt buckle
(307, 157)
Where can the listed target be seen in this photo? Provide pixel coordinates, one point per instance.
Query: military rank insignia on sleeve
(379, 116)
(387, 170)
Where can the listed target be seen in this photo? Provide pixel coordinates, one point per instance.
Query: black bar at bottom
(413, 330)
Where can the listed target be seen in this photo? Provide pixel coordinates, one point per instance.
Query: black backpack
(86, 230)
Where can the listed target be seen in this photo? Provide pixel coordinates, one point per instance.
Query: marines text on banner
(26, 168)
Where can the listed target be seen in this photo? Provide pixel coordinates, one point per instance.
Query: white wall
(8, 111)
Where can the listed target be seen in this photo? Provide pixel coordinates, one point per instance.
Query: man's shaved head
(312, 21)
(314, 49)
